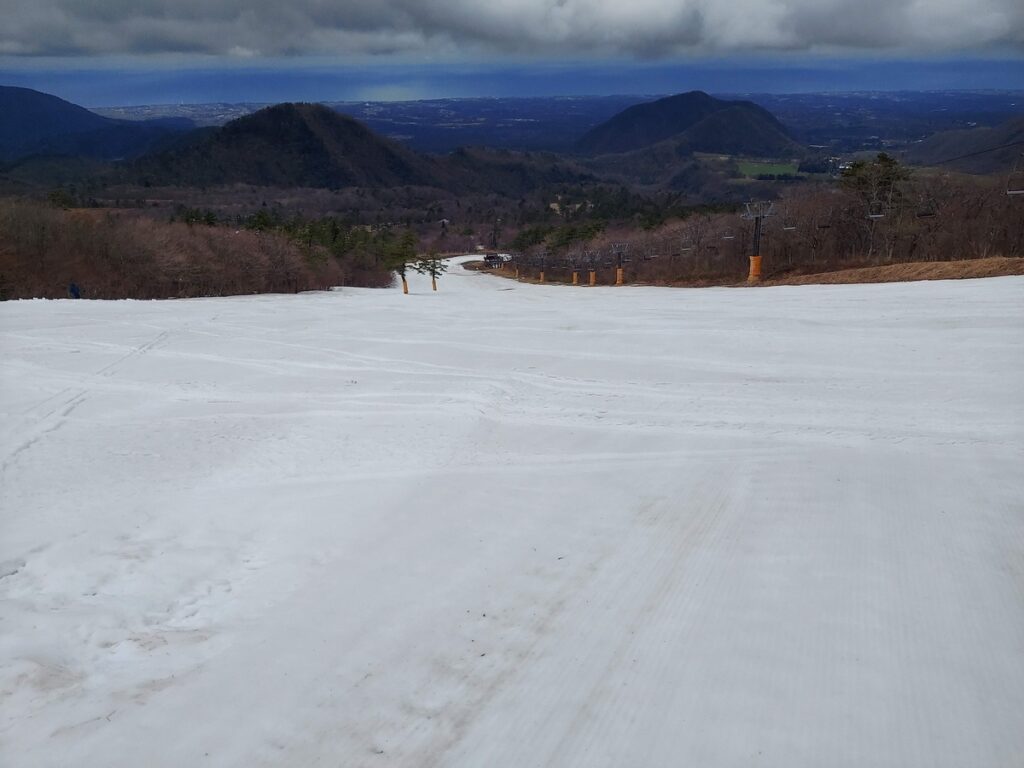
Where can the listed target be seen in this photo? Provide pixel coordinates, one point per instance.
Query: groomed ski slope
(516, 525)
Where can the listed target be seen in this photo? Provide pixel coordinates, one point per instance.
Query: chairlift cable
(979, 152)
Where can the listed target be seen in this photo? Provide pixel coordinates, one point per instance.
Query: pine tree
(876, 182)
(432, 265)
(401, 254)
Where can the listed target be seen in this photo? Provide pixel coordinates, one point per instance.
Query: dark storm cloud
(644, 28)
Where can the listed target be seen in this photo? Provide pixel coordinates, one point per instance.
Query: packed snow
(516, 525)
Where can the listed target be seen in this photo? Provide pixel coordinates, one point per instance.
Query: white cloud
(641, 28)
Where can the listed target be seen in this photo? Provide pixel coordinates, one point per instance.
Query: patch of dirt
(918, 270)
(995, 266)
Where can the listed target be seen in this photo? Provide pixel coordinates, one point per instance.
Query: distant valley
(838, 122)
(310, 145)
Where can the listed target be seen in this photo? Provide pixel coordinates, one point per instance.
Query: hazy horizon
(126, 52)
(109, 85)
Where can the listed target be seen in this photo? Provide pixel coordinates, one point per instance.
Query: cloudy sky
(409, 48)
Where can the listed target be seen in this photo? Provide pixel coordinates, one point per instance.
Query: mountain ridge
(696, 122)
(973, 150)
(291, 144)
(37, 123)
(311, 145)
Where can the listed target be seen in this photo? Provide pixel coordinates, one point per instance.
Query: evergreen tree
(432, 265)
(878, 182)
(400, 254)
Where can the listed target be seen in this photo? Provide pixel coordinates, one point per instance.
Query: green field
(754, 169)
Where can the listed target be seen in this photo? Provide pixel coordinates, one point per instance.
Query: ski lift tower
(757, 212)
(495, 229)
(619, 249)
(591, 259)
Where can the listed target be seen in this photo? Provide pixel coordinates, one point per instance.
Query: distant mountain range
(839, 123)
(309, 145)
(667, 143)
(34, 123)
(692, 122)
(288, 145)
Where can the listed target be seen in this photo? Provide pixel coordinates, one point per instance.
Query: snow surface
(514, 525)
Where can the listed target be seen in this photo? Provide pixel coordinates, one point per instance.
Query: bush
(43, 249)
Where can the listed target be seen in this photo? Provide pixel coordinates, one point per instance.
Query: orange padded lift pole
(619, 249)
(755, 270)
(754, 275)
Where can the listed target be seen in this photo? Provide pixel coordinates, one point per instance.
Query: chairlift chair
(877, 207)
(1015, 181)
(620, 251)
(927, 208)
(760, 210)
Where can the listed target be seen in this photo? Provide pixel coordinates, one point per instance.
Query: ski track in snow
(516, 525)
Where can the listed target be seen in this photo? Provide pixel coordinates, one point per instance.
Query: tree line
(45, 247)
(879, 213)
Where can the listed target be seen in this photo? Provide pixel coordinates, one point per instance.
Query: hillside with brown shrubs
(114, 255)
(812, 230)
(996, 266)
